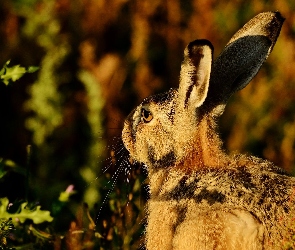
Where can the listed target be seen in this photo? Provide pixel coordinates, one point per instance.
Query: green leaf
(36, 215)
(3, 171)
(13, 73)
(7, 165)
(32, 69)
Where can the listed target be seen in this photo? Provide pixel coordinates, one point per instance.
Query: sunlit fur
(200, 197)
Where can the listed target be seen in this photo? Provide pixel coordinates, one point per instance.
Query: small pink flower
(70, 189)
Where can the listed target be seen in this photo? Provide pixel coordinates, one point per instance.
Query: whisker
(114, 178)
(109, 161)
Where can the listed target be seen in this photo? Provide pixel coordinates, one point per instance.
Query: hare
(200, 197)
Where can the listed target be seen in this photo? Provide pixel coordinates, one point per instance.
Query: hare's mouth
(127, 137)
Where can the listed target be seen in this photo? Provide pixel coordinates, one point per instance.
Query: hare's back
(246, 205)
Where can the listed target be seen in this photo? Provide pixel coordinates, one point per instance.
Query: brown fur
(200, 197)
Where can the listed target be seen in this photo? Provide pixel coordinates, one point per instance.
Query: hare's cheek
(140, 151)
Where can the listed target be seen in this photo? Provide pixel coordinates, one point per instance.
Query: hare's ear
(195, 74)
(242, 58)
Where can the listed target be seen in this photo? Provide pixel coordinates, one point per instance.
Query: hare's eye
(146, 116)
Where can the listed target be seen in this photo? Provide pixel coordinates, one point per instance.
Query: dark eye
(146, 116)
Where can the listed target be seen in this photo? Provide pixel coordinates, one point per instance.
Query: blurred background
(100, 58)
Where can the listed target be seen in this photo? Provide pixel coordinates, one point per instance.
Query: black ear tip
(279, 16)
(199, 43)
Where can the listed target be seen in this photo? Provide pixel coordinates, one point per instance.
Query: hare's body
(201, 198)
(243, 206)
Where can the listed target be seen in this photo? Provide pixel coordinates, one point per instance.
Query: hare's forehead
(164, 101)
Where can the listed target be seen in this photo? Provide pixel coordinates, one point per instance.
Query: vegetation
(96, 60)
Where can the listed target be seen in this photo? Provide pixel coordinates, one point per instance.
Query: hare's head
(179, 126)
